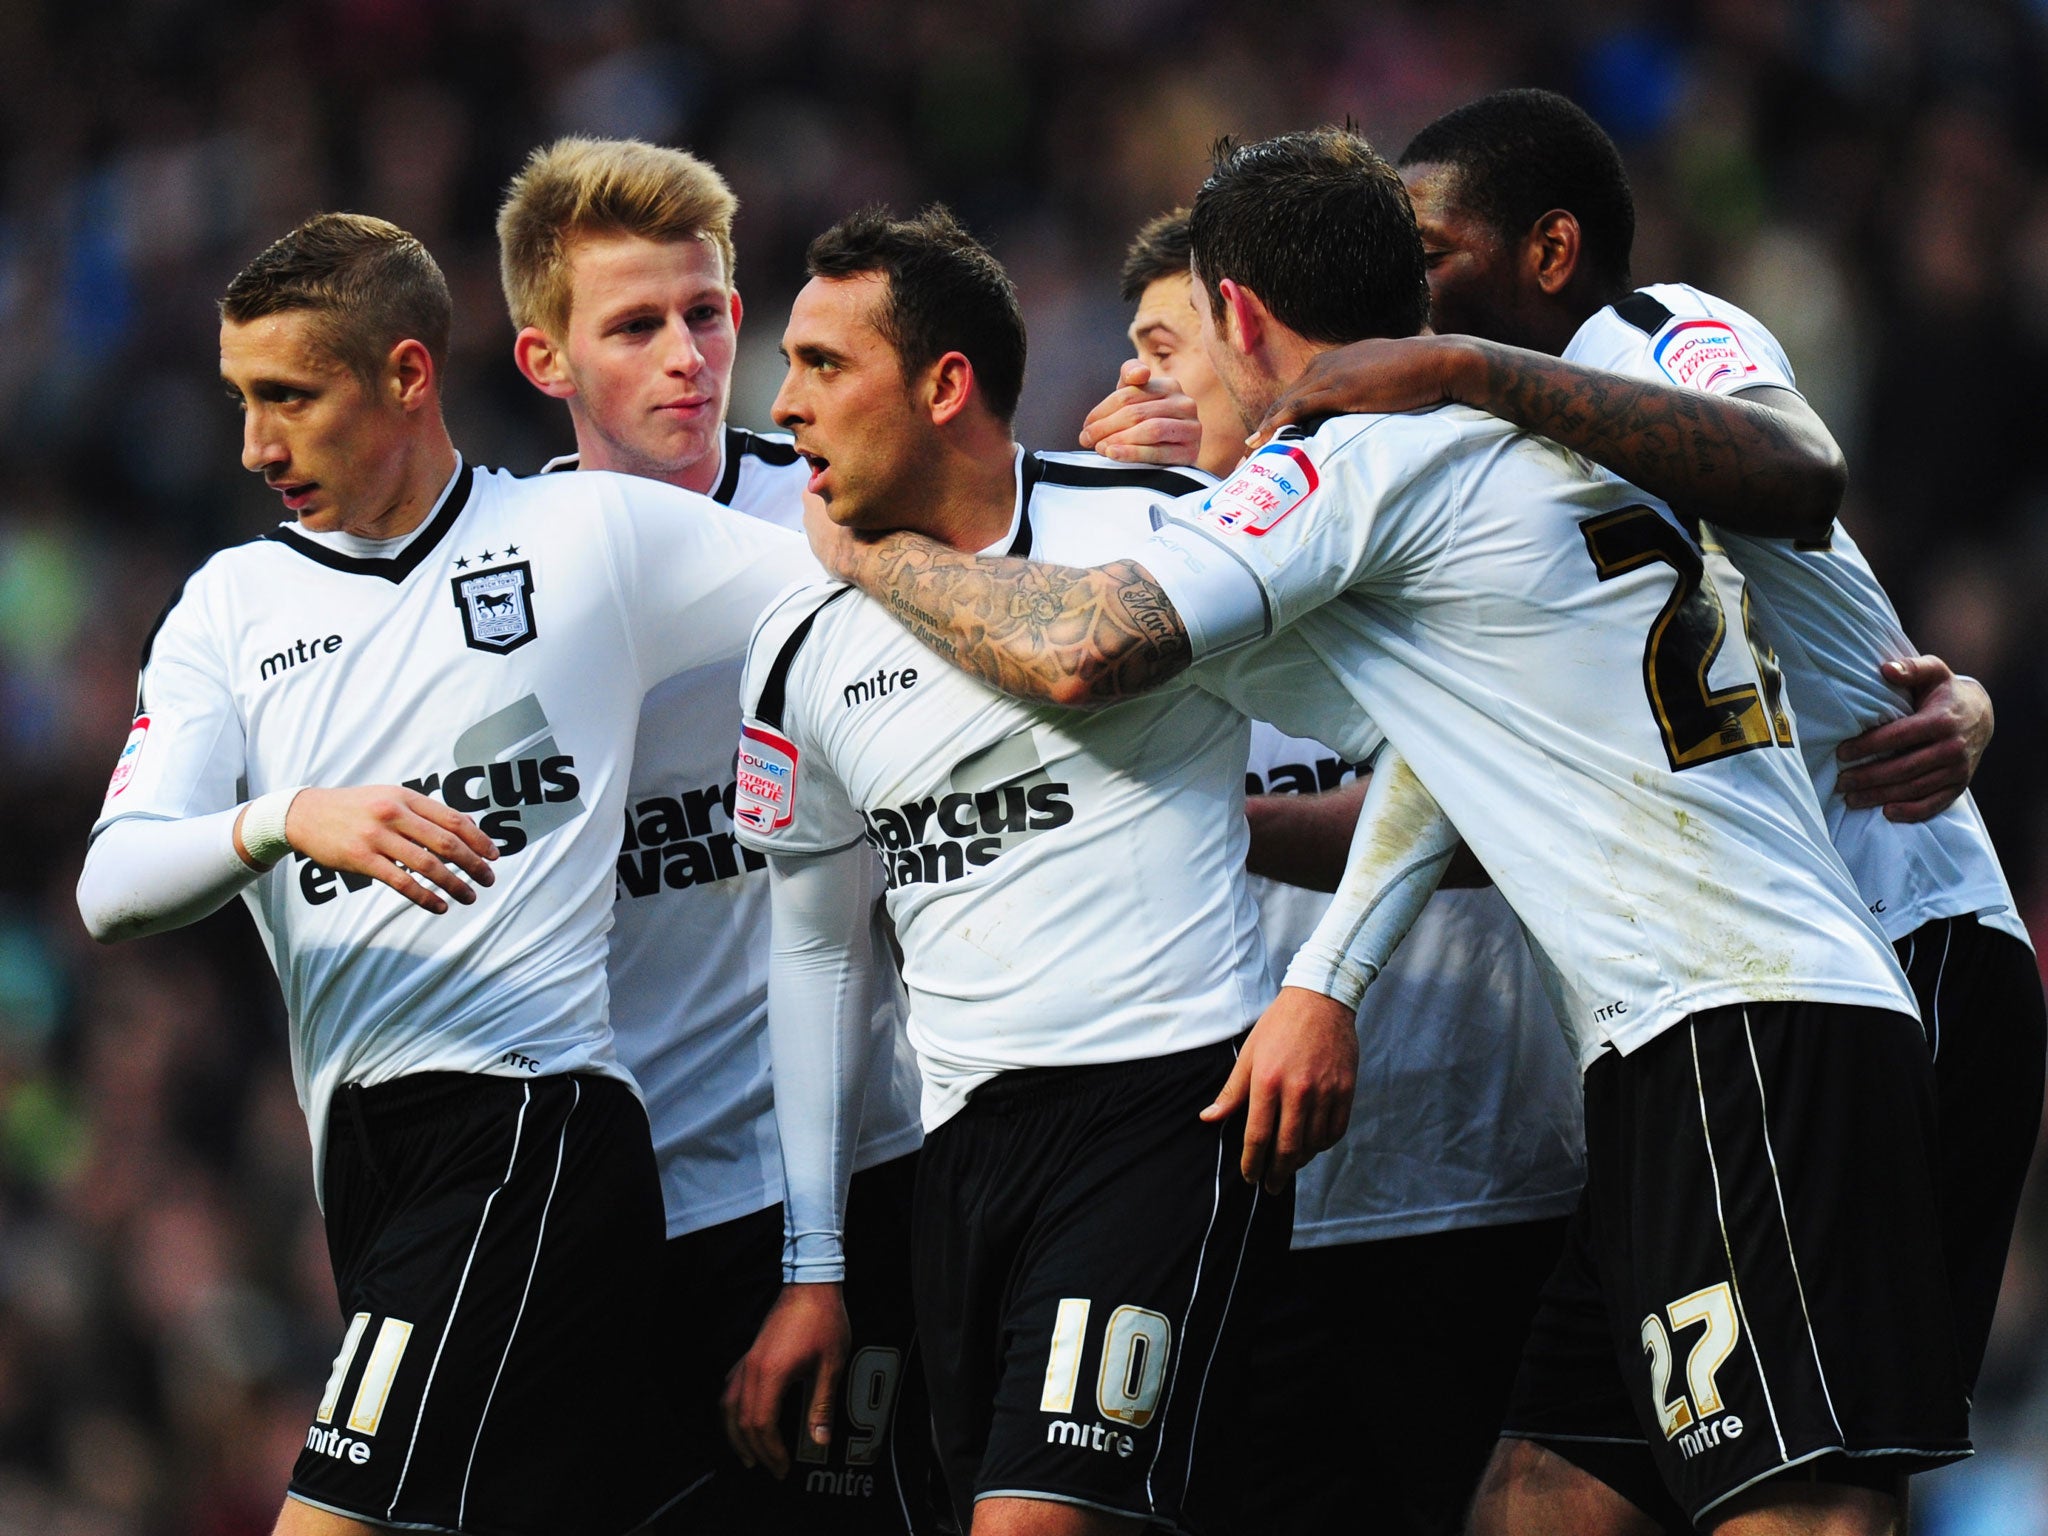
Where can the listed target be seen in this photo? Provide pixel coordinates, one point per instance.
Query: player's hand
(392, 834)
(805, 1337)
(1917, 766)
(840, 550)
(1406, 373)
(1294, 1080)
(1146, 419)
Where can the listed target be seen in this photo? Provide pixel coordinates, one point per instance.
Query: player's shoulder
(780, 637)
(1398, 446)
(762, 476)
(1685, 334)
(1062, 473)
(1082, 509)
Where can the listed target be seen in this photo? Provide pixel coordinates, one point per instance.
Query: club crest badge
(497, 607)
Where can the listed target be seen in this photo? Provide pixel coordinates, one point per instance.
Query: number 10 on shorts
(1135, 1346)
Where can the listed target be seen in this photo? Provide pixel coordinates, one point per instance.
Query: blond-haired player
(617, 258)
(433, 671)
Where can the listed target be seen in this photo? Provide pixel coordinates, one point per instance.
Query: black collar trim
(394, 568)
(1034, 471)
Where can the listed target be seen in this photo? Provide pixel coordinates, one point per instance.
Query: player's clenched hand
(1916, 767)
(840, 550)
(386, 830)
(1147, 419)
(1407, 373)
(1293, 1080)
(805, 1337)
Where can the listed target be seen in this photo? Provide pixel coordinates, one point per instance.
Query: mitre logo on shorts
(124, 765)
(497, 607)
(764, 780)
(1703, 354)
(1267, 486)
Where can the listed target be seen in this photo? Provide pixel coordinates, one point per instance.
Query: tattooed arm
(1056, 633)
(1760, 463)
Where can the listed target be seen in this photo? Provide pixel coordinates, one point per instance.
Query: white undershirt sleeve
(1399, 852)
(144, 876)
(819, 1016)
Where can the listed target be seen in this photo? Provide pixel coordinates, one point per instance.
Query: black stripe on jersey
(406, 561)
(775, 689)
(739, 444)
(149, 640)
(1644, 311)
(1152, 477)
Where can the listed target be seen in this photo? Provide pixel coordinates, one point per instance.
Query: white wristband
(263, 826)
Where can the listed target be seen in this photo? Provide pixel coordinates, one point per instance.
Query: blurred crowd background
(1870, 177)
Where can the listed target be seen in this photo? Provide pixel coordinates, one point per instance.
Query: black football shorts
(495, 1244)
(1980, 1000)
(1090, 1267)
(876, 1477)
(1752, 1286)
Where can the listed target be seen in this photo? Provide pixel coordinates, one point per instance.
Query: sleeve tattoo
(1747, 465)
(1055, 633)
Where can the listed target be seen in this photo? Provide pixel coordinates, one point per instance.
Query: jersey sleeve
(1361, 504)
(787, 799)
(693, 576)
(185, 753)
(1676, 335)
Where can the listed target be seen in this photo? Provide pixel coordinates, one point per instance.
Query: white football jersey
(1543, 643)
(689, 945)
(1068, 887)
(1468, 1111)
(1823, 611)
(496, 662)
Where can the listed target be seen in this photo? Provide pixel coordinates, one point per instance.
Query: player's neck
(972, 497)
(429, 462)
(700, 474)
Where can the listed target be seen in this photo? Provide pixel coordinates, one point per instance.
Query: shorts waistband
(423, 1096)
(1031, 1085)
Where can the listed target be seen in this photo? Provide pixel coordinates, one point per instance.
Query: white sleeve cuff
(1399, 852)
(1220, 602)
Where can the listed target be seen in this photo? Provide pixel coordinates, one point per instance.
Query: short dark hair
(946, 294)
(1320, 228)
(369, 284)
(1160, 250)
(1518, 154)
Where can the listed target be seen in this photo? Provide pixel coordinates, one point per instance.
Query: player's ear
(409, 374)
(542, 361)
(1244, 316)
(1551, 251)
(949, 387)
(736, 309)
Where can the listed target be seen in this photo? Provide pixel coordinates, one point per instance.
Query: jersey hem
(886, 1149)
(870, 1154)
(1991, 907)
(960, 1087)
(1730, 995)
(1447, 1218)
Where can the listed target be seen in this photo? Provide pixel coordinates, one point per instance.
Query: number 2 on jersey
(1699, 722)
